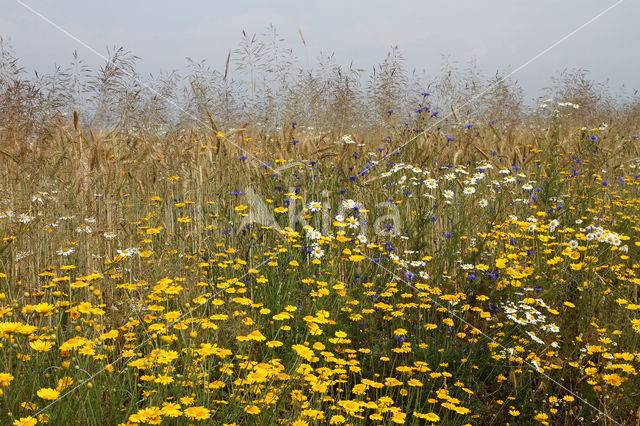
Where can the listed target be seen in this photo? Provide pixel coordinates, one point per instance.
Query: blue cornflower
(242, 157)
(593, 138)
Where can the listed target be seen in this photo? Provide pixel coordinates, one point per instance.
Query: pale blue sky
(499, 34)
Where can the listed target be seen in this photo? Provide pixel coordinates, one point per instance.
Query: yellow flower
(350, 406)
(171, 409)
(337, 420)
(109, 335)
(252, 410)
(164, 379)
(48, 394)
(186, 400)
(41, 345)
(25, 421)
(197, 413)
(43, 308)
(541, 417)
(303, 352)
(5, 379)
(430, 417)
(612, 379)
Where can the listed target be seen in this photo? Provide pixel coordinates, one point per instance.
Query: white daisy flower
(314, 206)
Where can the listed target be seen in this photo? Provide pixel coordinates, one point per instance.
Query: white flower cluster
(603, 236)
(128, 252)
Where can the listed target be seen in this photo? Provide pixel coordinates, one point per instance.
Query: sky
(500, 35)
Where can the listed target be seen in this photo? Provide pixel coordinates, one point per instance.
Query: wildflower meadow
(337, 253)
